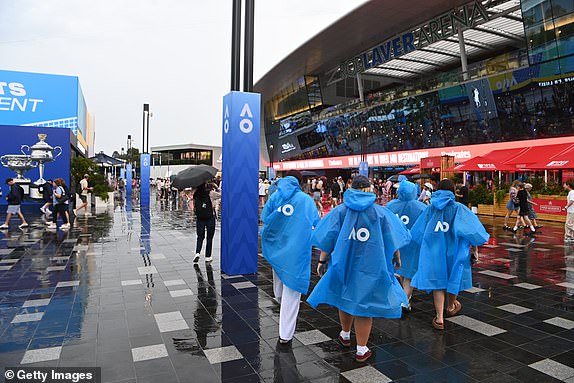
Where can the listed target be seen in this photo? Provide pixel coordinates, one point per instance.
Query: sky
(173, 54)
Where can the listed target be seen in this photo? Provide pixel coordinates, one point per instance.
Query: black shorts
(84, 198)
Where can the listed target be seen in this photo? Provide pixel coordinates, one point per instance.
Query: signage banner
(123, 174)
(144, 181)
(39, 100)
(550, 206)
(364, 168)
(129, 180)
(413, 157)
(240, 172)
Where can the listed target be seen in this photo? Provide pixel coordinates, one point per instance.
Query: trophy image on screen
(41, 152)
(19, 164)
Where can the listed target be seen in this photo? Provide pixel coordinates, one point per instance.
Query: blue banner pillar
(364, 168)
(129, 181)
(144, 181)
(123, 174)
(240, 174)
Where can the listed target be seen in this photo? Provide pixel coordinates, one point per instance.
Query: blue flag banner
(123, 174)
(364, 168)
(144, 181)
(240, 174)
(129, 180)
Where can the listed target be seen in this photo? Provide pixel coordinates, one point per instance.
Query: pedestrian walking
(83, 193)
(47, 189)
(523, 209)
(445, 231)
(361, 241)
(512, 204)
(288, 220)
(531, 212)
(15, 198)
(569, 225)
(408, 209)
(61, 197)
(205, 221)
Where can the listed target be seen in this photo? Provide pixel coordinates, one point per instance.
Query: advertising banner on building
(32, 155)
(39, 100)
(413, 157)
(144, 181)
(239, 221)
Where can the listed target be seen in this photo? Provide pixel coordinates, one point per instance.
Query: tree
(80, 166)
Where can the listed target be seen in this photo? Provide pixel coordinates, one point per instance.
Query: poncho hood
(442, 198)
(358, 200)
(407, 191)
(288, 186)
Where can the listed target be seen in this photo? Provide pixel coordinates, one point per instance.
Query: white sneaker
(65, 226)
(196, 258)
(3, 227)
(43, 209)
(51, 226)
(23, 226)
(48, 211)
(208, 259)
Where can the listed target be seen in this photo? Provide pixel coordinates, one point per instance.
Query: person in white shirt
(83, 193)
(262, 193)
(569, 226)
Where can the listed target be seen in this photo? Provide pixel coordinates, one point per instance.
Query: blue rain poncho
(361, 238)
(408, 209)
(445, 231)
(288, 220)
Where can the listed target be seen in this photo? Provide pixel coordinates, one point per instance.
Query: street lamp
(271, 169)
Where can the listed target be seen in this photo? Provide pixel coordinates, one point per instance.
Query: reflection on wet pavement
(119, 291)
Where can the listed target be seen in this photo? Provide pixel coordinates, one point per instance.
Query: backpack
(66, 196)
(203, 207)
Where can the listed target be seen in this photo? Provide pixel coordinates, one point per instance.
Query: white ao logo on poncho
(287, 210)
(442, 226)
(404, 218)
(362, 234)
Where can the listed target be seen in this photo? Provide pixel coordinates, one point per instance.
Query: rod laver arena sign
(439, 28)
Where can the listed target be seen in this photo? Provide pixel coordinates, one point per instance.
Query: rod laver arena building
(423, 79)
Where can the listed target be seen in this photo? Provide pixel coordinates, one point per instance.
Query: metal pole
(463, 60)
(235, 45)
(147, 138)
(248, 49)
(360, 86)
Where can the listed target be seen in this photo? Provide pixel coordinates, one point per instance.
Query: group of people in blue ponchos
(363, 245)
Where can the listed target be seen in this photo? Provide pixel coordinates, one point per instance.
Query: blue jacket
(362, 238)
(445, 232)
(408, 209)
(288, 220)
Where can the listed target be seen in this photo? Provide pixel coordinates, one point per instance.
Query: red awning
(413, 170)
(480, 164)
(502, 155)
(534, 155)
(561, 160)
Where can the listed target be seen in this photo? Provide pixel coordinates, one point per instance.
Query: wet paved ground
(119, 291)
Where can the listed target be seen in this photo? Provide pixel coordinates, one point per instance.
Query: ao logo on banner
(246, 123)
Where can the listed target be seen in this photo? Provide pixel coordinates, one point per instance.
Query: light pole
(272, 169)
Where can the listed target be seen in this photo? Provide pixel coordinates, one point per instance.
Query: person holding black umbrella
(205, 220)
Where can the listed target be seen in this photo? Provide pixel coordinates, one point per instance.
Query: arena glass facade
(407, 94)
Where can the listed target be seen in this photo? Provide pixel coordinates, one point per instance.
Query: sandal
(453, 312)
(436, 325)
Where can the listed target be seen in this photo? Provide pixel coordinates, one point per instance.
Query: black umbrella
(393, 178)
(418, 176)
(194, 176)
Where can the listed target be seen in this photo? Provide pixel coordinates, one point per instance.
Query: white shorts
(13, 209)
